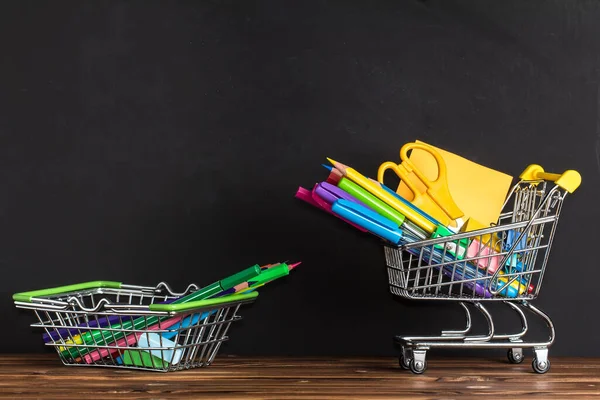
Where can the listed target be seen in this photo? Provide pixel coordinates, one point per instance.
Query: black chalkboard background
(151, 141)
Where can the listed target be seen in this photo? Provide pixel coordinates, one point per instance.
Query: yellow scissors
(436, 199)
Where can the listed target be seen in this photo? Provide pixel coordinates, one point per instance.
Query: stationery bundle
(440, 194)
(113, 324)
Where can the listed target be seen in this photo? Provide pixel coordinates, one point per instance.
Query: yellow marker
(515, 284)
(391, 200)
(76, 340)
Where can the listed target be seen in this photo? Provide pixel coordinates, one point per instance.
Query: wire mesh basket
(111, 324)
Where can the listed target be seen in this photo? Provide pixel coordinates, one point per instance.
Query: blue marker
(186, 323)
(368, 219)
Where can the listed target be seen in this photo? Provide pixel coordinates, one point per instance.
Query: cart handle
(568, 180)
(26, 296)
(192, 305)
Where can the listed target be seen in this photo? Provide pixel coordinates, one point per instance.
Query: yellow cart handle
(568, 180)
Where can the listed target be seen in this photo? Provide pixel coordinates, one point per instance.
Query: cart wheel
(515, 357)
(418, 367)
(404, 362)
(540, 367)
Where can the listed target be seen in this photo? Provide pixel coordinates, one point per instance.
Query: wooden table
(43, 376)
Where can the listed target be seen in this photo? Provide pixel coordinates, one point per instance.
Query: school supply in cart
(493, 255)
(385, 196)
(477, 190)
(431, 195)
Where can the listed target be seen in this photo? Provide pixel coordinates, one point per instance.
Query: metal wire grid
(191, 345)
(435, 268)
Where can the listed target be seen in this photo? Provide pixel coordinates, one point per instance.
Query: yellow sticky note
(477, 190)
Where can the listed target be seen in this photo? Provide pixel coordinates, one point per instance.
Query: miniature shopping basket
(111, 324)
(504, 263)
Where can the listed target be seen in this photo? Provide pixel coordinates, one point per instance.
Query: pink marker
(126, 342)
(489, 261)
(315, 200)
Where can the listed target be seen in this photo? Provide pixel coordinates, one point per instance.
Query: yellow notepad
(477, 190)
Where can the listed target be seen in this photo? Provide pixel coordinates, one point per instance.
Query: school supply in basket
(100, 337)
(152, 339)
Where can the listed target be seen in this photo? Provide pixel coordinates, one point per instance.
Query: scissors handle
(402, 173)
(438, 188)
(441, 164)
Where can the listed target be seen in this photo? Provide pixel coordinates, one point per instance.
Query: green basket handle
(192, 305)
(26, 296)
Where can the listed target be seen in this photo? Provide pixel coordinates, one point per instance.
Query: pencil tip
(333, 162)
(292, 266)
(329, 168)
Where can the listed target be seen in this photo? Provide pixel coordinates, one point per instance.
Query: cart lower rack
(110, 324)
(504, 263)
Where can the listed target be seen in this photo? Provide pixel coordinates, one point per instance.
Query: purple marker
(331, 194)
(475, 286)
(456, 274)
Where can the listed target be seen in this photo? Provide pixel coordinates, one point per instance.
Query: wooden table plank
(43, 376)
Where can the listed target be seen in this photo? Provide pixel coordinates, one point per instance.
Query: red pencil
(334, 176)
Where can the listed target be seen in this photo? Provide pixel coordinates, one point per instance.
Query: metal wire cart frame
(503, 263)
(110, 324)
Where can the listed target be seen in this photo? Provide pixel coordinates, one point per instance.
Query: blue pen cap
(368, 219)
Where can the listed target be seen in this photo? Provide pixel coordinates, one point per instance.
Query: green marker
(101, 337)
(451, 247)
(371, 201)
(143, 359)
(270, 275)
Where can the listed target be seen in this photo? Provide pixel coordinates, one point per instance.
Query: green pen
(100, 337)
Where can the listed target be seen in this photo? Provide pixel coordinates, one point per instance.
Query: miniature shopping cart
(503, 263)
(110, 324)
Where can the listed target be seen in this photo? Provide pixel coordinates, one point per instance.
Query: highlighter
(309, 197)
(369, 220)
(371, 201)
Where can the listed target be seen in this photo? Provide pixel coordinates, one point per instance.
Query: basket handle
(192, 305)
(568, 180)
(26, 296)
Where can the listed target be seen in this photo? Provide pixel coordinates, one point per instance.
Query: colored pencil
(235, 289)
(334, 175)
(383, 195)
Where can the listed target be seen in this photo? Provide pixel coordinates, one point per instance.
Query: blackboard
(164, 141)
